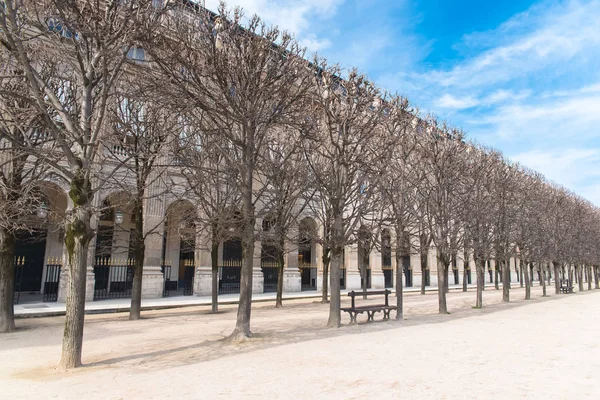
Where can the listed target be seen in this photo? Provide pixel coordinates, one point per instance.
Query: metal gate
(270, 271)
(189, 270)
(388, 277)
(408, 277)
(113, 279)
(19, 263)
(52, 280)
(166, 271)
(230, 276)
(308, 277)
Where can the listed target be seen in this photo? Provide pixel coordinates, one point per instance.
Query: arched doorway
(307, 257)
(40, 240)
(113, 267)
(179, 247)
(386, 258)
(230, 267)
(364, 251)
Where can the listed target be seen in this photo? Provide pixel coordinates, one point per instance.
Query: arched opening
(307, 255)
(406, 267)
(364, 251)
(113, 267)
(386, 258)
(179, 247)
(231, 264)
(38, 247)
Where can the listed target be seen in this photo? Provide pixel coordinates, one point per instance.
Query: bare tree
(19, 176)
(441, 159)
(209, 177)
(288, 190)
(72, 54)
(478, 207)
(397, 187)
(241, 83)
(145, 131)
(346, 155)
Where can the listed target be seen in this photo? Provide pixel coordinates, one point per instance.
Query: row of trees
(260, 136)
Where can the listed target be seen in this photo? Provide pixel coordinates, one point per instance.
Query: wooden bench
(566, 289)
(370, 309)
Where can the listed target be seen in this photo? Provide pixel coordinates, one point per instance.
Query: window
(136, 53)
(55, 25)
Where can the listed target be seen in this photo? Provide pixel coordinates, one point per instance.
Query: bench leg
(386, 314)
(352, 318)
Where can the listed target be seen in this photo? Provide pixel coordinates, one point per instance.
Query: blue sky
(520, 76)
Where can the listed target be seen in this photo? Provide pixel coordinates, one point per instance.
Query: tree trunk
(7, 281)
(579, 269)
(526, 270)
(496, 280)
(505, 281)
(423, 270)
(280, 264)
(242, 325)
(480, 272)
(542, 278)
(214, 261)
(466, 271)
(399, 272)
(335, 317)
(588, 276)
(556, 277)
(325, 289)
(442, 274)
(77, 238)
(138, 268)
(520, 272)
(596, 280)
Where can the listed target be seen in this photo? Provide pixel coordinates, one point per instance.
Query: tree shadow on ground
(280, 334)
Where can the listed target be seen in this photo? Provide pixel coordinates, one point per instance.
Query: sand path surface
(543, 348)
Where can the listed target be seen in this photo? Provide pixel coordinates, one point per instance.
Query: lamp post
(42, 211)
(119, 217)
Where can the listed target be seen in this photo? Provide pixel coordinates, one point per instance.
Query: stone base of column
(152, 282)
(292, 280)
(352, 280)
(258, 281)
(377, 279)
(90, 282)
(203, 281)
(63, 285)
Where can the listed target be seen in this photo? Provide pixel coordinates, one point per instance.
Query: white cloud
(294, 16)
(451, 102)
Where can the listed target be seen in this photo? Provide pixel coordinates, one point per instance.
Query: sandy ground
(543, 348)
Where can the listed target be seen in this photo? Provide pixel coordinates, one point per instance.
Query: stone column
(376, 264)
(258, 279)
(292, 280)
(352, 271)
(203, 278)
(154, 228)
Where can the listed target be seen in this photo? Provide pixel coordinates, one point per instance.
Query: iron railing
(408, 277)
(19, 267)
(230, 276)
(270, 271)
(52, 279)
(388, 276)
(113, 278)
(308, 277)
(167, 284)
(189, 270)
